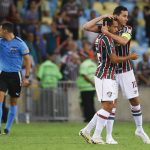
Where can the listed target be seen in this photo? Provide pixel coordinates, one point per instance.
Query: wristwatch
(27, 77)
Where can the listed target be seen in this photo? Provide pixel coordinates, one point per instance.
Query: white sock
(101, 122)
(91, 125)
(137, 115)
(110, 122)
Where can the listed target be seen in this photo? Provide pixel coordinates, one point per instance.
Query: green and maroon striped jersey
(122, 50)
(104, 46)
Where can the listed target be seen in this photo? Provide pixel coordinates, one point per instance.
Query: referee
(13, 51)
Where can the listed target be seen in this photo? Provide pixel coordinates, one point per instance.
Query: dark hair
(108, 21)
(8, 26)
(117, 10)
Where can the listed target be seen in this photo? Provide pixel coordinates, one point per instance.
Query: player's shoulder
(19, 39)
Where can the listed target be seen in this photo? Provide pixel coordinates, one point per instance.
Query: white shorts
(106, 89)
(128, 84)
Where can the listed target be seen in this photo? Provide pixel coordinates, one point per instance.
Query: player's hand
(25, 82)
(133, 56)
(108, 15)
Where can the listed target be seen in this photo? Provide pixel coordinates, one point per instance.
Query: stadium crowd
(54, 28)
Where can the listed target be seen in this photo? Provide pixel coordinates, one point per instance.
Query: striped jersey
(104, 46)
(122, 50)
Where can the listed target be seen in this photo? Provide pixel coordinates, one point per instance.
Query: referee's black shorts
(11, 82)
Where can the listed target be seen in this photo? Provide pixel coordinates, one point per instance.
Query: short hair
(8, 26)
(108, 21)
(118, 9)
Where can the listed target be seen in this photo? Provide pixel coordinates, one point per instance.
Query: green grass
(64, 136)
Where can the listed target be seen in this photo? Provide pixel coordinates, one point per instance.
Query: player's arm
(118, 59)
(112, 54)
(123, 39)
(92, 24)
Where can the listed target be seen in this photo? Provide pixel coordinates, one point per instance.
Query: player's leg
(102, 116)
(109, 127)
(137, 115)
(14, 92)
(3, 89)
(11, 114)
(129, 88)
(86, 131)
(111, 118)
(108, 95)
(2, 95)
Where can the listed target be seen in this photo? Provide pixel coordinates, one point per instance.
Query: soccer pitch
(64, 136)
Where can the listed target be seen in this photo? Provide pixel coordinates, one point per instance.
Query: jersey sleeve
(24, 48)
(110, 47)
(127, 32)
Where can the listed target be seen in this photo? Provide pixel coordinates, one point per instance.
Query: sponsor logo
(109, 94)
(17, 94)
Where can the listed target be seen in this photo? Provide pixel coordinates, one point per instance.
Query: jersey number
(134, 84)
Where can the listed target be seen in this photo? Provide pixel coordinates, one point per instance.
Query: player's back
(104, 46)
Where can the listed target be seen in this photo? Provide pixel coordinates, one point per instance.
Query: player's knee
(134, 101)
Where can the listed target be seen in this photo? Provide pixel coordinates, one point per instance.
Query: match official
(13, 51)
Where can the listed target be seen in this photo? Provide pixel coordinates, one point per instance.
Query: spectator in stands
(52, 39)
(48, 73)
(70, 61)
(40, 46)
(31, 16)
(4, 8)
(88, 49)
(30, 43)
(147, 22)
(61, 21)
(143, 70)
(85, 82)
(73, 12)
(133, 21)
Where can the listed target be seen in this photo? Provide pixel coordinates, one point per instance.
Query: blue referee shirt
(11, 54)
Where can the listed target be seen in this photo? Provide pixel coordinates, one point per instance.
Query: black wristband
(27, 77)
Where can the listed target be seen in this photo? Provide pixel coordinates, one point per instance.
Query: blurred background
(52, 29)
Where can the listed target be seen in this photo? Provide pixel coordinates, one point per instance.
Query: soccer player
(125, 76)
(105, 82)
(13, 51)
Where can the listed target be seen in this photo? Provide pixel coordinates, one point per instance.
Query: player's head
(6, 28)
(112, 24)
(121, 14)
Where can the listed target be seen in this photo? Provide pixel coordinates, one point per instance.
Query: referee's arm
(27, 64)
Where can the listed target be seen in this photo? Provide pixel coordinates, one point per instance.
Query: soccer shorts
(11, 82)
(128, 84)
(106, 89)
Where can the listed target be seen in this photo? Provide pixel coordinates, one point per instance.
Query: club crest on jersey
(109, 94)
(13, 50)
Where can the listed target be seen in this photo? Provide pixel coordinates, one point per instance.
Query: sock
(1, 113)
(110, 122)
(137, 115)
(101, 122)
(11, 116)
(91, 125)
